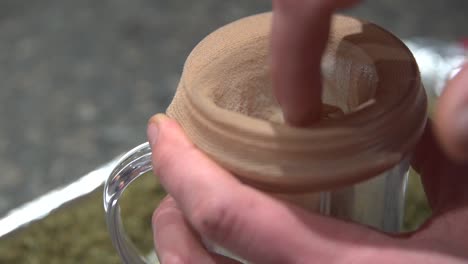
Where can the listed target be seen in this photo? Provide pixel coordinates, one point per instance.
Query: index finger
(299, 37)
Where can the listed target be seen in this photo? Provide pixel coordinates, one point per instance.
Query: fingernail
(153, 128)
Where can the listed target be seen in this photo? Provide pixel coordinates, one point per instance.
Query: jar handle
(131, 166)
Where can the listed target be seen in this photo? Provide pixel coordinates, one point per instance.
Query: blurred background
(79, 79)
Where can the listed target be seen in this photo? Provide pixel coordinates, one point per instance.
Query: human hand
(206, 199)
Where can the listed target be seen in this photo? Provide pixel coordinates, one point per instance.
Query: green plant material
(417, 209)
(77, 233)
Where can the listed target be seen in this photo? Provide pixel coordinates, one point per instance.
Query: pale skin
(206, 199)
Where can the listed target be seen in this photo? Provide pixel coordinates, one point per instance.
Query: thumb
(244, 221)
(451, 119)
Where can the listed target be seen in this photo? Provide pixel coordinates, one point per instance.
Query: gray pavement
(79, 79)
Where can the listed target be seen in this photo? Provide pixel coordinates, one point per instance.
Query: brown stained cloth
(374, 107)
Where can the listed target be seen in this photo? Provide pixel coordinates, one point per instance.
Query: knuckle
(174, 259)
(156, 216)
(216, 219)
(166, 210)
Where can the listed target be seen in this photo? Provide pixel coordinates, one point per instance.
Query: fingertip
(157, 118)
(300, 34)
(174, 240)
(453, 145)
(161, 128)
(451, 118)
(166, 204)
(153, 128)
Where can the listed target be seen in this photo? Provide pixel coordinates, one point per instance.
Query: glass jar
(352, 164)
